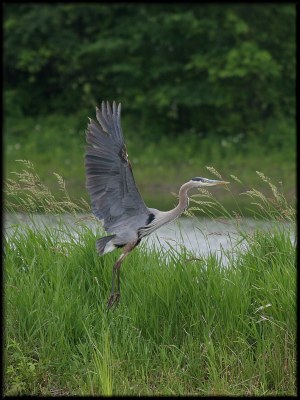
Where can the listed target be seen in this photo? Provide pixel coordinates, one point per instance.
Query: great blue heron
(114, 196)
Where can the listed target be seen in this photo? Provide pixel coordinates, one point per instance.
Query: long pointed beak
(215, 182)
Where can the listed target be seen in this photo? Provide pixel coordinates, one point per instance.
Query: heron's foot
(113, 300)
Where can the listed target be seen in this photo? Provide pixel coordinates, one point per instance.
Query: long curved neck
(165, 217)
(183, 200)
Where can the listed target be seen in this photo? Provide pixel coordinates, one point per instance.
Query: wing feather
(109, 178)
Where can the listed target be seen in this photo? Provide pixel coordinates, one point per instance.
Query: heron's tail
(104, 245)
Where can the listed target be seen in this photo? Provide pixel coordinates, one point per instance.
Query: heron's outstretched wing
(109, 179)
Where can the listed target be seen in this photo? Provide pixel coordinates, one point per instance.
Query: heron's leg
(115, 296)
(114, 271)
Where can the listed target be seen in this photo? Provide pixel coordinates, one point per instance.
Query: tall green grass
(186, 326)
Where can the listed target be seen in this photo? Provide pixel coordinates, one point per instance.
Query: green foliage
(187, 327)
(215, 70)
(56, 144)
(22, 370)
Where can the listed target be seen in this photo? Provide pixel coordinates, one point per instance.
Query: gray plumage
(114, 196)
(110, 182)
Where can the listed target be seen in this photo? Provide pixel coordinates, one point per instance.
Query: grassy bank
(56, 144)
(190, 327)
(187, 327)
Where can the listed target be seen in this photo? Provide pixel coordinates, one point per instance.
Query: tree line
(208, 69)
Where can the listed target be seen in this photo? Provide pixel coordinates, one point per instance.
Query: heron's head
(202, 182)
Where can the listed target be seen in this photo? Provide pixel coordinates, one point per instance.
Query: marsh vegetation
(186, 325)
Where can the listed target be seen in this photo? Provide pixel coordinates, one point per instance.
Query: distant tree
(211, 69)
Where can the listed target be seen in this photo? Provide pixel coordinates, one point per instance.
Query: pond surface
(198, 236)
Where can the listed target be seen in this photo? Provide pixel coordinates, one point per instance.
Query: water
(198, 236)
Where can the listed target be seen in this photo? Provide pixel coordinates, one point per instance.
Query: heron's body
(133, 233)
(114, 194)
